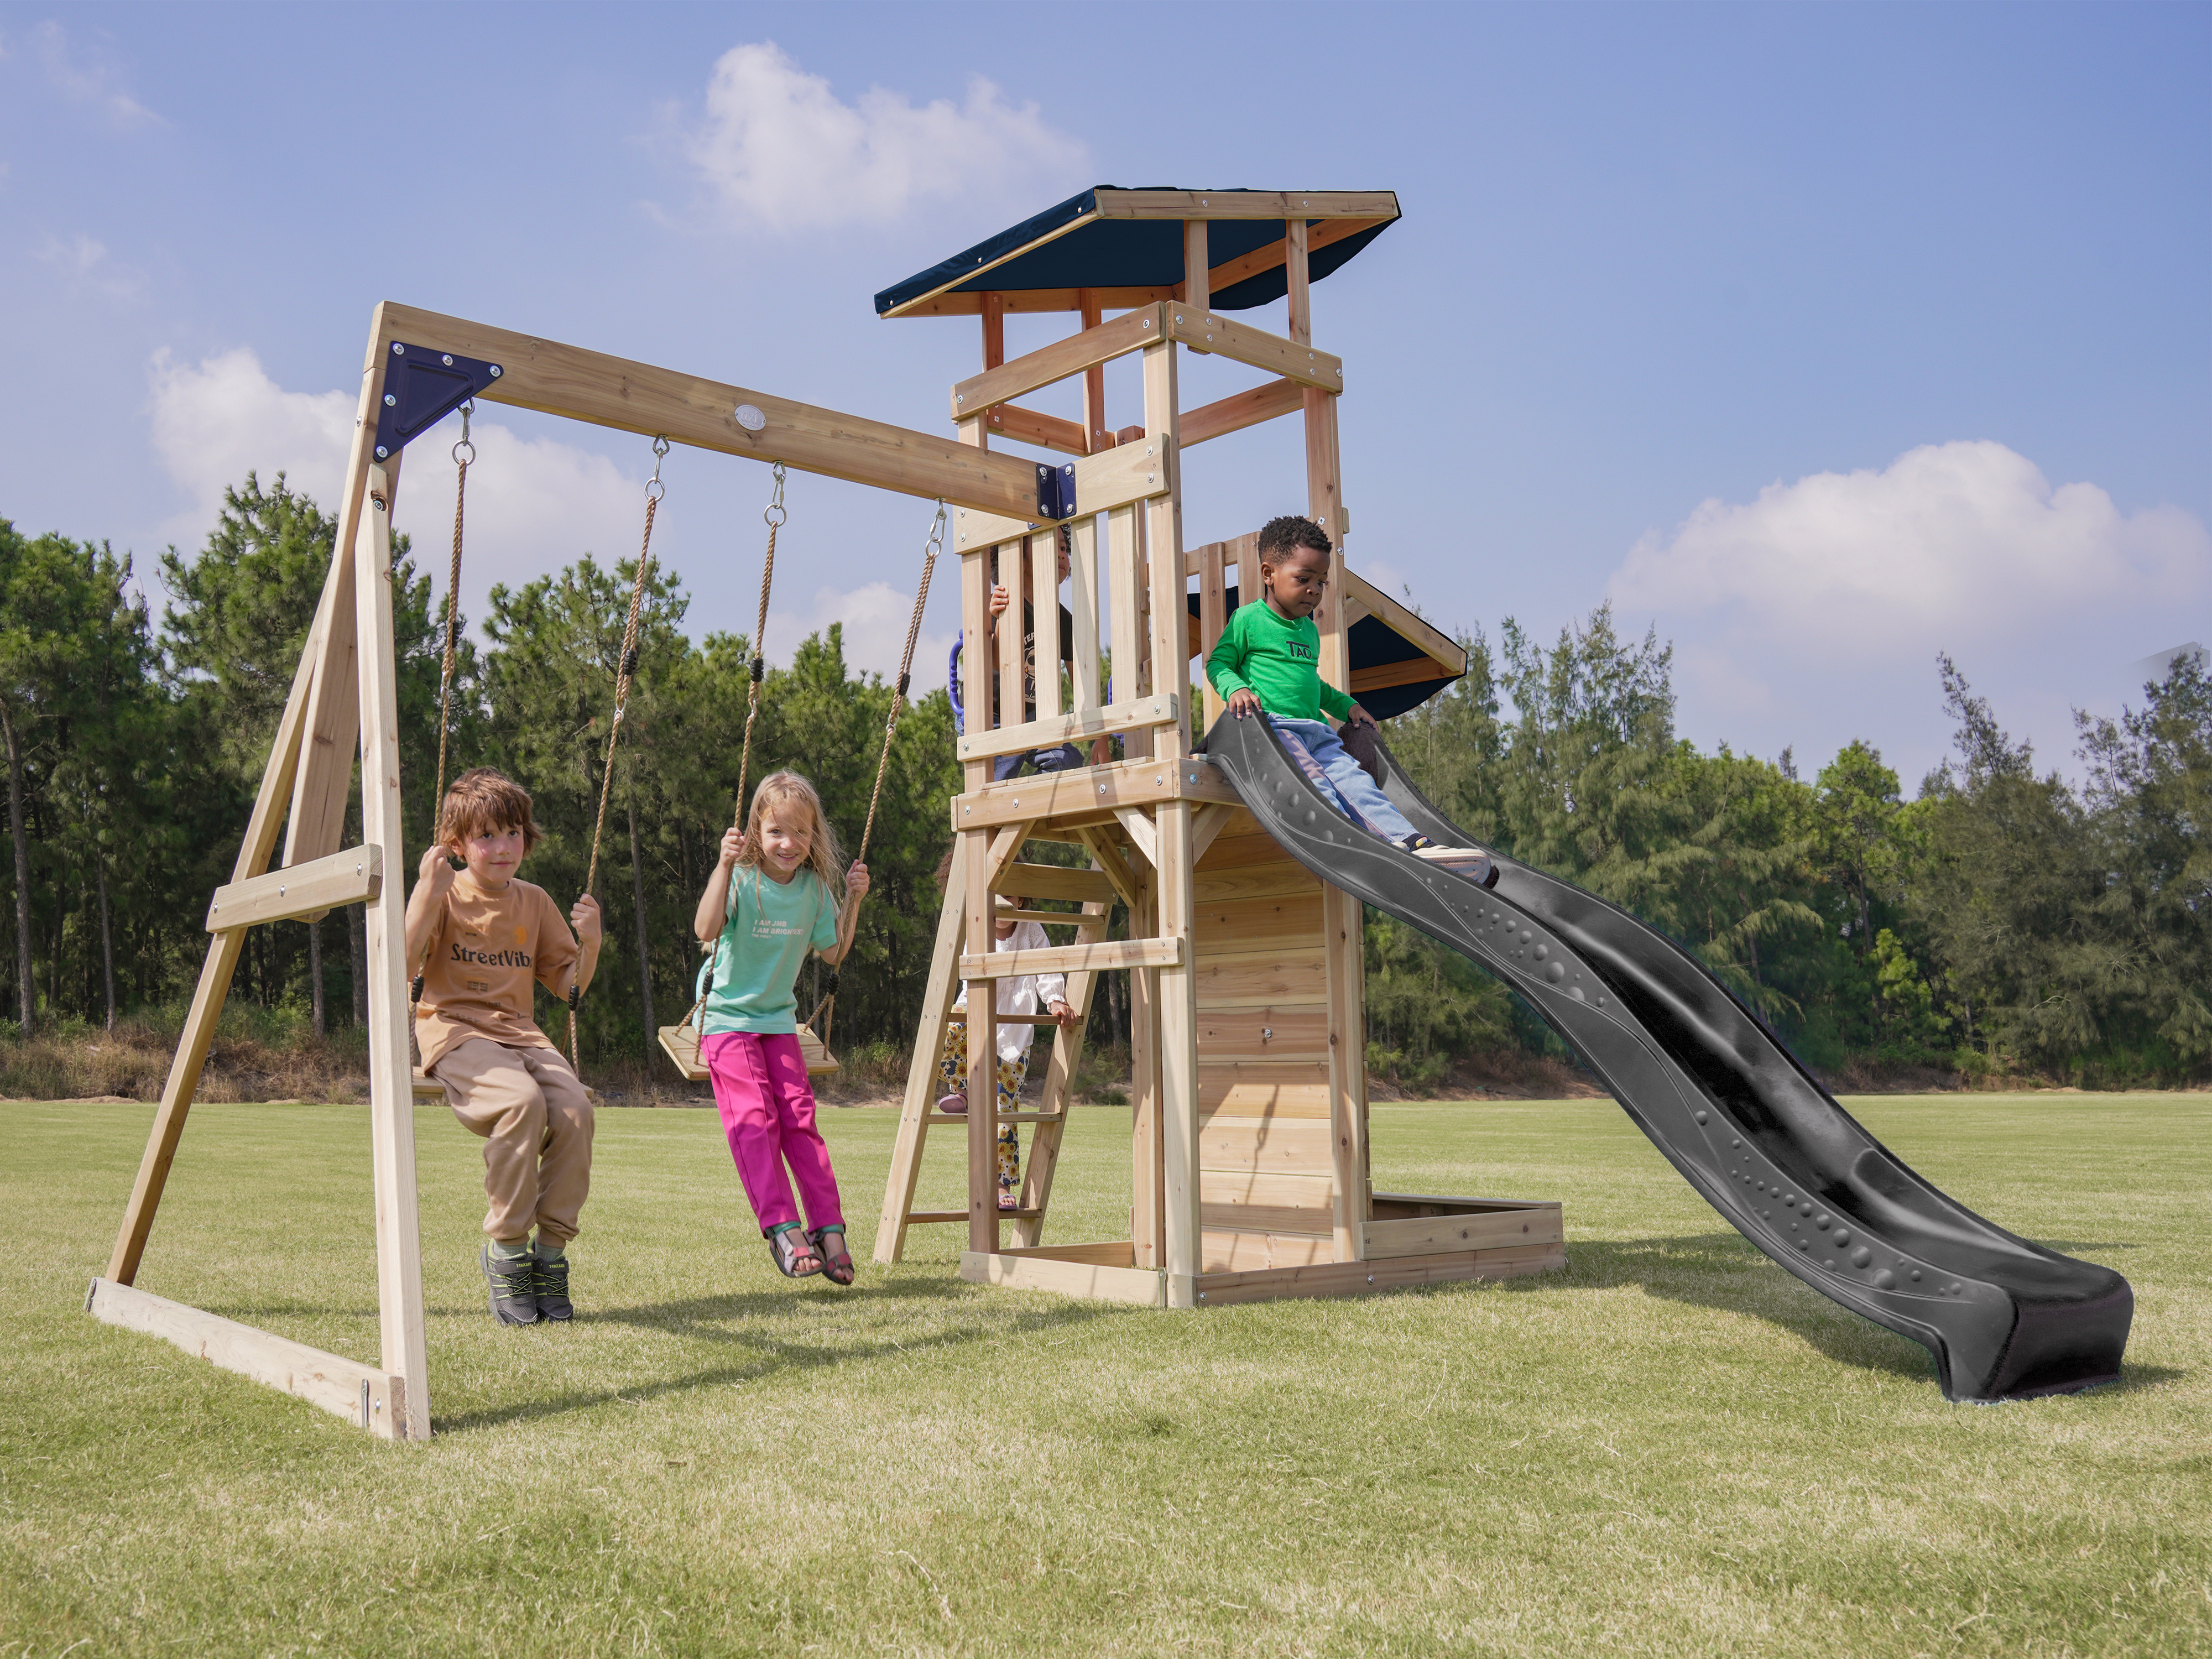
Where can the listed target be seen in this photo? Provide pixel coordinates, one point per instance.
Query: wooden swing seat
(681, 1044)
(428, 1088)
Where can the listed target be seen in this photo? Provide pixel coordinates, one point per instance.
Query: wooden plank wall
(1264, 1146)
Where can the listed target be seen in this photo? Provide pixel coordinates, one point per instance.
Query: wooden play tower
(1249, 1145)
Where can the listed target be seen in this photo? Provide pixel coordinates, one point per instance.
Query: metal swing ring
(776, 515)
(470, 459)
(654, 489)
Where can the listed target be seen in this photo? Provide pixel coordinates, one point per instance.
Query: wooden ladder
(919, 1114)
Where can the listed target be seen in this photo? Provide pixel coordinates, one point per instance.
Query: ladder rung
(1004, 1117)
(916, 1216)
(959, 1016)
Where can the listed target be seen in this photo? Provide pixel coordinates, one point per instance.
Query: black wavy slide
(1721, 1097)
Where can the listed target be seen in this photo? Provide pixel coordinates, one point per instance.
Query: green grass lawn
(1672, 1448)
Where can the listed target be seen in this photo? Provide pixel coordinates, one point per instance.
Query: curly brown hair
(485, 799)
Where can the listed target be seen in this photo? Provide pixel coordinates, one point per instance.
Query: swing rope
(825, 1009)
(625, 672)
(935, 544)
(461, 462)
(776, 515)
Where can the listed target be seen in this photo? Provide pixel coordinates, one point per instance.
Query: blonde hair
(484, 799)
(784, 790)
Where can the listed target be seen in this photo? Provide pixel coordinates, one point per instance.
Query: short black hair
(1279, 538)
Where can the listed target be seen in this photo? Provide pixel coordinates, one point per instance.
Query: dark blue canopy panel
(1078, 245)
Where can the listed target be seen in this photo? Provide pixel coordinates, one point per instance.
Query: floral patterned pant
(952, 1076)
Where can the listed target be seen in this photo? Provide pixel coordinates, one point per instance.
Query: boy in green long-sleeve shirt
(1268, 661)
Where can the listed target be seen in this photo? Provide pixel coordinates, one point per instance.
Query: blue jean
(1340, 779)
(1063, 758)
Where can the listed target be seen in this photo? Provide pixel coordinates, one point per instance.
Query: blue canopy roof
(1075, 245)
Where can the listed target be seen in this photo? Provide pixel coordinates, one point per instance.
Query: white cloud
(215, 421)
(781, 151)
(85, 263)
(1812, 614)
(535, 504)
(875, 619)
(1949, 544)
(98, 85)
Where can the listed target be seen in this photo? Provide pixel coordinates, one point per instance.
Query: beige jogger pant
(535, 1121)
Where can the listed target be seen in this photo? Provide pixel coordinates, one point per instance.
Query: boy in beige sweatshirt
(481, 939)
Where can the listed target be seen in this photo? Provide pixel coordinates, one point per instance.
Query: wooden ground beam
(1142, 1286)
(364, 1396)
(1355, 1278)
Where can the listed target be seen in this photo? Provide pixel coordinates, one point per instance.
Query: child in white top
(1018, 998)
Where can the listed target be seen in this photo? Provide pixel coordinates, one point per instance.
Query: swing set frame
(1248, 1131)
(344, 692)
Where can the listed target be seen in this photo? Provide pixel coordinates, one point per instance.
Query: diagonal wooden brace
(301, 889)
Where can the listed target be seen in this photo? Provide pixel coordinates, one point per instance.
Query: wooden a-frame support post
(346, 682)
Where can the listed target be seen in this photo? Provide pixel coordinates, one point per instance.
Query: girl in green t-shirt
(777, 892)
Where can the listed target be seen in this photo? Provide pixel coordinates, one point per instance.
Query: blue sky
(1820, 338)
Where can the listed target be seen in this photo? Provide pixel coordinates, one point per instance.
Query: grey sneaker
(513, 1301)
(1470, 861)
(548, 1277)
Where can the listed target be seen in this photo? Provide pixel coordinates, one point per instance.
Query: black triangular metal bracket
(1056, 496)
(421, 386)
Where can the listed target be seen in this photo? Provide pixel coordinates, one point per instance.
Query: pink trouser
(768, 1112)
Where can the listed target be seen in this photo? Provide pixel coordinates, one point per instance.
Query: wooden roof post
(1096, 436)
(995, 331)
(995, 345)
(1197, 275)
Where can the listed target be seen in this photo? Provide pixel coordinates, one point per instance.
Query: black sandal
(838, 1269)
(791, 1250)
